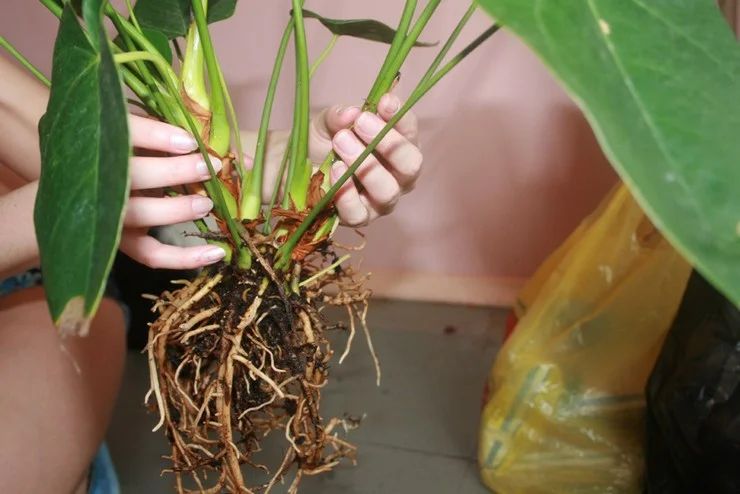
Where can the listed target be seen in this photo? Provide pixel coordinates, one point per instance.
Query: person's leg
(56, 396)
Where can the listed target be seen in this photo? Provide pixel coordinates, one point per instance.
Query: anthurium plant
(240, 351)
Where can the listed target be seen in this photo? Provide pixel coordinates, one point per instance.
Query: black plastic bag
(693, 397)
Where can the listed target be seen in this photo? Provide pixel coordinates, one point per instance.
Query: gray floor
(419, 434)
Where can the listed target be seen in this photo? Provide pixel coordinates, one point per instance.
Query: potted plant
(241, 350)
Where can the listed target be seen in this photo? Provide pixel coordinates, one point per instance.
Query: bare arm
(22, 103)
(19, 249)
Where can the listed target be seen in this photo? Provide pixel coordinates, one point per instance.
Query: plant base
(235, 356)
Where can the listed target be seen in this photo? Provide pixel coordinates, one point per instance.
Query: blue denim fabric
(30, 278)
(103, 478)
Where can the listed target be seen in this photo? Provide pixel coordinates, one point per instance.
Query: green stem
(323, 56)
(220, 130)
(132, 15)
(192, 74)
(423, 87)
(203, 228)
(141, 90)
(4, 43)
(376, 91)
(163, 67)
(53, 7)
(389, 75)
(448, 44)
(299, 168)
(251, 200)
(142, 69)
(233, 119)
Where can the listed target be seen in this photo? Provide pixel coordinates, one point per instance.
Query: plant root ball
(236, 355)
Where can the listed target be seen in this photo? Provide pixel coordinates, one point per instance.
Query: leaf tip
(73, 321)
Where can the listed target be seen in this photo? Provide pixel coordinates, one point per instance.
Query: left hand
(385, 175)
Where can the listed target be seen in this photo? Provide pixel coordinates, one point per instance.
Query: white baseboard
(453, 289)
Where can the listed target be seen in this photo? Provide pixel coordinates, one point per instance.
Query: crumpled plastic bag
(694, 399)
(566, 407)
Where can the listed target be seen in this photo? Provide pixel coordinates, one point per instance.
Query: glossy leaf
(160, 42)
(84, 172)
(359, 28)
(170, 17)
(219, 10)
(659, 82)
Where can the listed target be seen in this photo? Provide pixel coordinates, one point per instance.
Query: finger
(325, 125)
(148, 211)
(149, 173)
(403, 157)
(153, 135)
(153, 253)
(408, 126)
(380, 185)
(351, 210)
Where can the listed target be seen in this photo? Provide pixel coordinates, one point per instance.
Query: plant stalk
(299, 167)
(251, 201)
(13, 51)
(390, 73)
(220, 130)
(323, 56)
(376, 92)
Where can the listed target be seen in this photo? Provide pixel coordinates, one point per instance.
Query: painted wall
(511, 166)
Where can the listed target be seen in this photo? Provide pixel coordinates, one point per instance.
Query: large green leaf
(359, 28)
(172, 17)
(219, 10)
(160, 42)
(659, 81)
(84, 171)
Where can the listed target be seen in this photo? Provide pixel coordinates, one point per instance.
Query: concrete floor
(419, 434)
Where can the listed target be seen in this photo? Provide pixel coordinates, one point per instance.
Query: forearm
(22, 103)
(18, 249)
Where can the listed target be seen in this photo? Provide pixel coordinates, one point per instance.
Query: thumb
(325, 125)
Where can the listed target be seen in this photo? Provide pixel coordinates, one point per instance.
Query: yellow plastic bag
(566, 404)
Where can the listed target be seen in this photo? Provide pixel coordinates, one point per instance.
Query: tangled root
(236, 355)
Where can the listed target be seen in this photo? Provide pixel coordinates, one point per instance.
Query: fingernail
(393, 104)
(202, 168)
(202, 206)
(347, 143)
(369, 123)
(183, 142)
(344, 109)
(212, 254)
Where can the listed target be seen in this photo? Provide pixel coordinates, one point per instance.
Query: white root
(351, 334)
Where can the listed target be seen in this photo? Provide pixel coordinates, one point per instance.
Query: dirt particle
(450, 329)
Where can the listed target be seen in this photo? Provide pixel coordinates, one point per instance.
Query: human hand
(384, 175)
(143, 213)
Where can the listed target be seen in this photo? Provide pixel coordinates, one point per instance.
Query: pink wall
(511, 165)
